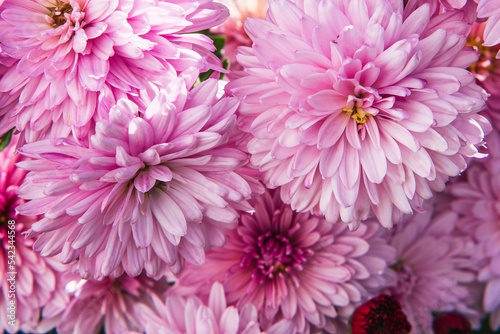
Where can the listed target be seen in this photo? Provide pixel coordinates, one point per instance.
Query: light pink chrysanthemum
(233, 30)
(60, 54)
(154, 187)
(108, 304)
(435, 268)
(476, 199)
(190, 315)
(28, 281)
(364, 111)
(295, 266)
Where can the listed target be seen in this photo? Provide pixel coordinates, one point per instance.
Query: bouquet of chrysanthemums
(250, 166)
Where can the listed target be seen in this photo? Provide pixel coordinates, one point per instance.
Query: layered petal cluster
(435, 269)
(179, 315)
(59, 54)
(108, 304)
(295, 266)
(475, 199)
(372, 110)
(155, 186)
(28, 281)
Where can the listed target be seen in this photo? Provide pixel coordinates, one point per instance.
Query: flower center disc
(57, 13)
(359, 114)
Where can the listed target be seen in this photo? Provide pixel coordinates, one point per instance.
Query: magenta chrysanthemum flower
(28, 281)
(108, 304)
(475, 199)
(61, 53)
(190, 315)
(154, 187)
(435, 269)
(295, 266)
(368, 110)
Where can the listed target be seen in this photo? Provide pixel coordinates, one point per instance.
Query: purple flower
(435, 269)
(28, 282)
(179, 315)
(295, 266)
(60, 54)
(154, 187)
(475, 201)
(370, 110)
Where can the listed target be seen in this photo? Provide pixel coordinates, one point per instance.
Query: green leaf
(219, 42)
(5, 139)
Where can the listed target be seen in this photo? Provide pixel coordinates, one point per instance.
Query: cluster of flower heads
(305, 188)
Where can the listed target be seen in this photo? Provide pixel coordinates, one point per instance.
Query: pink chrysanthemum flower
(295, 266)
(435, 269)
(369, 110)
(190, 315)
(61, 53)
(476, 199)
(233, 30)
(28, 281)
(154, 187)
(108, 304)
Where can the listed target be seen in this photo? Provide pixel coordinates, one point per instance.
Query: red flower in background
(380, 315)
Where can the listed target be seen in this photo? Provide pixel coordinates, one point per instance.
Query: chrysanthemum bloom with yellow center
(371, 110)
(155, 186)
(60, 56)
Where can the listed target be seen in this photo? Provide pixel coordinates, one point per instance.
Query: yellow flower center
(487, 61)
(359, 114)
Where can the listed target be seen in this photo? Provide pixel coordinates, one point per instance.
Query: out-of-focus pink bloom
(179, 315)
(156, 185)
(295, 266)
(476, 200)
(487, 72)
(108, 304)
(59, 54)
(28, 281)
(367, 111)
(490, 9)
(233, 30)
(435, 269)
